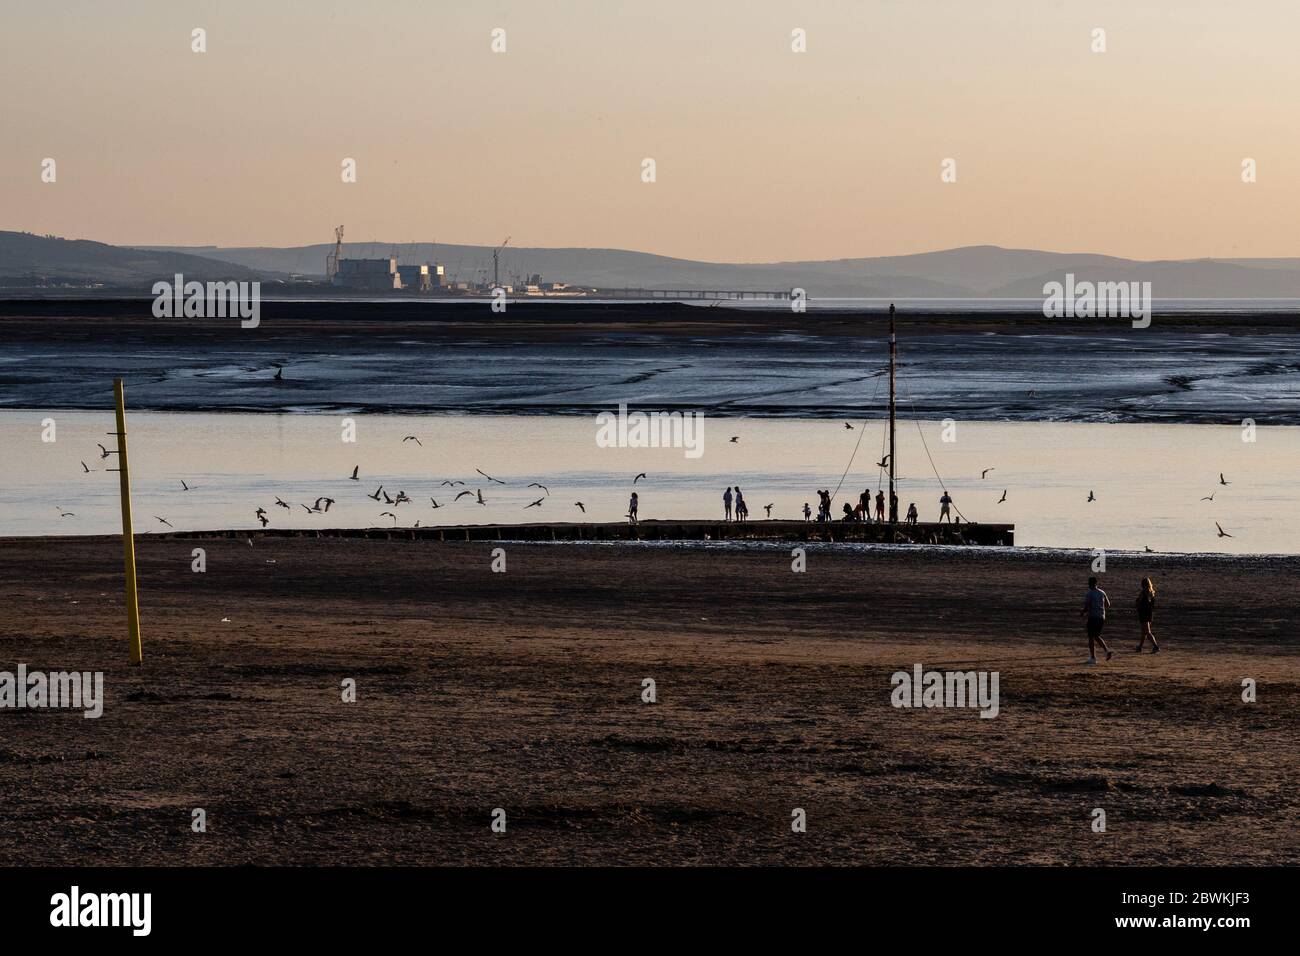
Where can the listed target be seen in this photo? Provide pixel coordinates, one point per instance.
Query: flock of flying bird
(322, 504)
(1092, 497)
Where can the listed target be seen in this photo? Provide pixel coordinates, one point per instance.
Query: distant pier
(992, 535)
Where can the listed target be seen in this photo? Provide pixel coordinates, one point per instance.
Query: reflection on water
(1148, 479)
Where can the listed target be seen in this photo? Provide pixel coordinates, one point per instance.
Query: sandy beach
(522, 690)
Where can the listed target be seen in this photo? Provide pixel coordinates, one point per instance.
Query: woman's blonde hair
(1148, 587)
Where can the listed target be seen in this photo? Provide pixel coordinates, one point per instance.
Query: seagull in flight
(883, 463)
(435, 502)
(261, 516)
(85, 470)
(1210, 498)
(388, 499)
(848, 426)
(479, 493)
(1222, 481)
(328, 502)
(638, 477)
(308, 510)
(282, 504)
(539, 485)
(414, 439)
(378, 492)
(355, 469)
(1004, 496)
(489, 477)
(453, 484)
(1091, 496)
(389, 514)
(103, 452)
(985, 472)
(65, 514)
(164, 521)
(735, 438)
(1222, 533)
(768, 509)
(580, 506)
(184, 486)
(535, 504)
(462, 495)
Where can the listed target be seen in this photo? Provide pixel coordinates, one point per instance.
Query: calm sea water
(1148, 480)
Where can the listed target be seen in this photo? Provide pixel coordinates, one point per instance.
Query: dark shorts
(1095, 624)
(1144, 618)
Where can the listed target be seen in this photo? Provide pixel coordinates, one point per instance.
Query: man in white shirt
(1095, 603)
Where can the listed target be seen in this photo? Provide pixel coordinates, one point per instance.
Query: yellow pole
(128, 534)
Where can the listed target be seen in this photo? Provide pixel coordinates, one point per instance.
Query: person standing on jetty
(807, 513)
(880, 505)
(1095, 603)
(726, 502)
(864, 504)
(944, 504)
(912, 516)
(1146, 608)
(742, 509)
(631, 509)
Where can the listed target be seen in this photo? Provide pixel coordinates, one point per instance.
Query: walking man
(1095, 603)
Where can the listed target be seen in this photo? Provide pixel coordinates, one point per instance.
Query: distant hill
(27, 259)
(972, 272)
(969, 272)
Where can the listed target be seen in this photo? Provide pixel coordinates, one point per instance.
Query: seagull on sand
(638, 477)
(1148, 549)
(535, 504)
(355, 469)
(279, 372)
(164, 521)
(1004, 496)
(539, 485)
(414, 439)
(580, 506)
(489, 477)
(1222, 533)
(985, 472)
(1222, 481)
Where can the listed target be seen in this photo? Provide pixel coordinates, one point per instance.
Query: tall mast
(893, 370)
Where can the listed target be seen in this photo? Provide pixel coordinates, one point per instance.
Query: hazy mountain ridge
(970, 272)
(28, 258)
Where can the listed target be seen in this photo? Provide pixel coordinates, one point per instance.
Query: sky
(761, 153)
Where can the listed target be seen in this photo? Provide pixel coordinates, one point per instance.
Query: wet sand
(573, 358)
(521, 690)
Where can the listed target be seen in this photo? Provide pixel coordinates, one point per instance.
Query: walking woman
(1146, 606)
